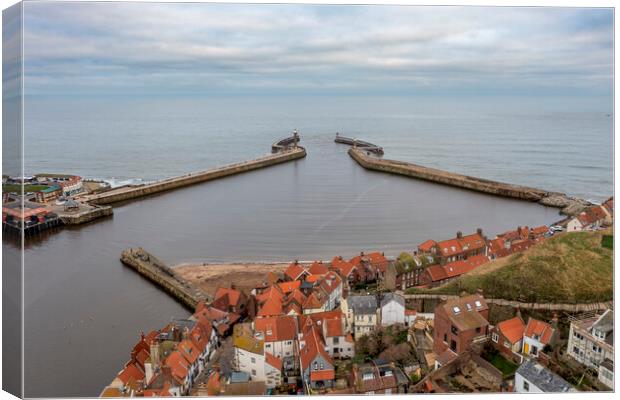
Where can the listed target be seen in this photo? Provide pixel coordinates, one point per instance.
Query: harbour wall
(569, 205)
(85, 216)
(165, 277)
(132, 192)
(367, 146)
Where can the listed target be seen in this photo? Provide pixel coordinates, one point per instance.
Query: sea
(84, 310)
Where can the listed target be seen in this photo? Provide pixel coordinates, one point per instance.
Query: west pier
(288, 151)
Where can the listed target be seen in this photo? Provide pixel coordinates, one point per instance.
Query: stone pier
(163, 276)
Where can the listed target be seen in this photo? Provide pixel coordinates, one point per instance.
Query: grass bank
(568, 268)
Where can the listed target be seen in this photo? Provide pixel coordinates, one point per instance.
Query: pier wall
(158, 272)
(85, 216)
(129, 193)
(366, 146)
(569, 205)
(446, 178)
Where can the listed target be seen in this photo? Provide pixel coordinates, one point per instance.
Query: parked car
(557, 228)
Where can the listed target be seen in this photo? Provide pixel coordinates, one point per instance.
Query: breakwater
(568, 205)
(165, 277)
(84, 216)
(366, 146)
(136, 191)
(286, 143)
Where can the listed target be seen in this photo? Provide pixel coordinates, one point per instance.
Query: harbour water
(84, 309)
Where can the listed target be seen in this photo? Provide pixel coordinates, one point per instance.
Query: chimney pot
(459, 234)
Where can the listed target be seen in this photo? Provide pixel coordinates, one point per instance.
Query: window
(321, 367)
(316, 365)
(575, 350)
(268, 345)
(454, 330)
(254, 372)
(534, 350)
(253, 360)
(336, 340)
(478, 330)
(526, 386)
(506, 344)
(495, 337)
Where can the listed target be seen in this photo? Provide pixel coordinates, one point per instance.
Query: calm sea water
(549, 143)
(84, 309)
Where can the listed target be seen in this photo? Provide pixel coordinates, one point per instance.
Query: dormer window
(456, 310)
(468, 307)
(478, 303)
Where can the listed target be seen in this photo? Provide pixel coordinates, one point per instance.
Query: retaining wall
(129, 193)
(532, 306)
(156, 271)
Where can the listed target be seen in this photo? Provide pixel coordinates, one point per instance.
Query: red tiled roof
(344, 268)
(314, 300)
(298, 296)
(225, 297)
(163, 392)
(178, 365)
(609, 205)
(270, 307)
(131, 370)
(273, 292)
(472, 242)
(592, 215)
(333, 327)
(539, 328)
(456, 268)
(213, 384)
(498, 248)
(322, 375)
(450, 247)
(314, 346)
(273, 361)
(540, 230)
(427, 245)
(294, 271)
(276, 329)
(410, 312)
(318, 268)
(375, 259)
(512, 329)
(313, 278)
(288, 287)
(330, 282)
(189, 351)
(141, 357)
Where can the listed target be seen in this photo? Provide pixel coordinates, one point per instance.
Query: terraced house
(591, 343)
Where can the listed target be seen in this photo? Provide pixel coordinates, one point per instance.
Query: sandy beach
(244, 275)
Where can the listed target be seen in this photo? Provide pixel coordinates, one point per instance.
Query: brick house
(461, 247)
(460, 322)
(507, 336)
(378, 377)
(439, 274)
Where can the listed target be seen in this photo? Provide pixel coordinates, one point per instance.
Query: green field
(507, 368)
(568, 268)
(16, 188)
(608, 242)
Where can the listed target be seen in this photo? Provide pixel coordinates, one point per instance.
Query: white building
(392, 309)
(532, 377)
(590, 342)
(361, 314)
(249, 352)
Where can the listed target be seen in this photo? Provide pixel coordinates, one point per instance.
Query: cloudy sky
(162, 49)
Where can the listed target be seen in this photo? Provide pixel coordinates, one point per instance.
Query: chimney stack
(459, 235)
(480, 292)
(479, 231)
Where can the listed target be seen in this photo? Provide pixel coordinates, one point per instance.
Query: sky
(100, 49)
